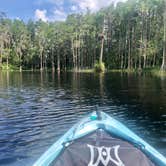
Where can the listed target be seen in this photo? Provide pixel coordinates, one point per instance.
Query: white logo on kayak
(104, 155)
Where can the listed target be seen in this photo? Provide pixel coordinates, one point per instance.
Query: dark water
(36, 109)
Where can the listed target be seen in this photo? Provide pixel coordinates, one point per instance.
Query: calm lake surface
(36, 109)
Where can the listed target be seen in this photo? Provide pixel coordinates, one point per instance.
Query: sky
(49, 10)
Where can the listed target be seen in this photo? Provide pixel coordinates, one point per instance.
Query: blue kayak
(100, 140)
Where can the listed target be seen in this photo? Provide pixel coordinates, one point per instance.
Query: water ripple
(34, 113)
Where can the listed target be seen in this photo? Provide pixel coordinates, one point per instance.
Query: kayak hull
(93, 122)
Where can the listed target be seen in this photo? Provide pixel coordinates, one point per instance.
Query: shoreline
(154, 71)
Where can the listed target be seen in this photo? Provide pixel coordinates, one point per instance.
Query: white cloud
(74, 8)
(58, 11)
(55, 13)
(59, 15)
(93, 5)
(41, 15)
(18, 18)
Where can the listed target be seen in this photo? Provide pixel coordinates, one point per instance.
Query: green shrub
(10, 67)
(99, 67)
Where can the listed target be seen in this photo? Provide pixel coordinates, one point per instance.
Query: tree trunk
(119, 51)
(163, 66)
(0, 61)
(7, 61)
(129, 52)
(94, 52)
(144, 60)
(20, 57)
(52, 61)
(125, 53)
(154, 60)
(73, 51)
(1, 58)
(79, 52)
(41, 60)
(145, 42)
(20, 68)
(45, 63)
(135, 63)
(101, 52)
(141, 41)
(141, 50)
(58, 61)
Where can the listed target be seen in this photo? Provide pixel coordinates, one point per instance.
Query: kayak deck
(100, 148)
(99, 122)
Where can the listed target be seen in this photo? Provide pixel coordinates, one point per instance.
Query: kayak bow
(92, 123)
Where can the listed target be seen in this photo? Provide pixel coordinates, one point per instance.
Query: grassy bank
(153, 71)
(82, 71)
(10, 67)
(156, 72)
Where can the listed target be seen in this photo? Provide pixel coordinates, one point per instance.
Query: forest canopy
(135, 38)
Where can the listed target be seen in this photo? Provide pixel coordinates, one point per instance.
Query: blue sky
(49, 10)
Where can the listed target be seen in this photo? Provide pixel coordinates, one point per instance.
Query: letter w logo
(104, 156)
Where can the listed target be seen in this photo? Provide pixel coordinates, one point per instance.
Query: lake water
(36, 109)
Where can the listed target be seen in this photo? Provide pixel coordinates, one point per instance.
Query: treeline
(135, 38)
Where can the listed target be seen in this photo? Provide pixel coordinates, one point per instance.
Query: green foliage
(9, 67)
(99, 67)
(134, 39)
